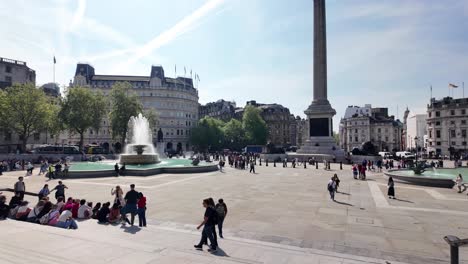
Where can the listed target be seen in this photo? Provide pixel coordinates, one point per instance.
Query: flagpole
(54, 69)
(463, 89)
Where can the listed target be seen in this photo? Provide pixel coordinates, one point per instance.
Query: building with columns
(175, 100)
(361, 125)
(447, 126)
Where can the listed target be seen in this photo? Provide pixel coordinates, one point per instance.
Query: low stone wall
(361, 158)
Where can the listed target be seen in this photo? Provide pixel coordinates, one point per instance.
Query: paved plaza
(278, 215)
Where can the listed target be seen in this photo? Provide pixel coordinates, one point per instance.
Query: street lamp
(416, 145)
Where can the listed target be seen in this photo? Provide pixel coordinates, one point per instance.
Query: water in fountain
(139, 148)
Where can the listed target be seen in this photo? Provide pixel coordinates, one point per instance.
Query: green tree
(124, 104)
(25, 110)
(208, 134)
(82, 109)
(153, 119)
(256, 130)
(234, 135)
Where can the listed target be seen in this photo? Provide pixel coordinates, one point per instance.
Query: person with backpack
(331, 188)
(221, 209)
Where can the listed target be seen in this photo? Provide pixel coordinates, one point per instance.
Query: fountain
(140, 149)
(440, 177)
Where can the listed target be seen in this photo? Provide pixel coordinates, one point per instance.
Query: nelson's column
(320, 141)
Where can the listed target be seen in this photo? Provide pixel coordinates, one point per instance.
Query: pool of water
(436, 173)
(109, 165)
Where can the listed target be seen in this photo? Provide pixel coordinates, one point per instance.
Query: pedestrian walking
(208, 224)
(459, 182)
(44, 192)
(337, 182)
(331, 188)
(391, 188)
(221, 209)
(59, 190)
(252, 167)
(20, 187)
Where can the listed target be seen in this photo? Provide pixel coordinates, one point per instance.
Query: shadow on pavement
(343, 203)
(220, 253)
(130, 229)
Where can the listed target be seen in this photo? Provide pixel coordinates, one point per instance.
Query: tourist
(391, 188)
(66, 220)
(44, 212)
(50, 174)
(103, 213)
(355, 171)
(4, 208)
(84, 211)
(32, 216)
(459, 182)
(58, 170)
(68, 205)
(114, 214)
(66, 168)
(122, 169)
(337, 182)
(23, 211)
(221, 209)
(44, 192)
(60, 203)
(141, 210)
(29, 169)
(76, 206)
(54, 215)
(131, 199)
(15, 201)
(20, 187)
(60, 190)
(331, 188)
(252, 167)
(96, 210)
(208, 226)
(118, 195)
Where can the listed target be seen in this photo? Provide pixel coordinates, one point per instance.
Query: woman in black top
(208, 224)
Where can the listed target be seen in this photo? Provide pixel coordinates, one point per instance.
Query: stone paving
(291, 208)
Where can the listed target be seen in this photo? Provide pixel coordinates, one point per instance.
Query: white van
(385, 154)
(405, 155)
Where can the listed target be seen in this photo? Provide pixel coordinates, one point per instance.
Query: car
(385, 154)
(405, 155)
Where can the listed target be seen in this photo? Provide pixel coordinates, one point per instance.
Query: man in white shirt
(84, 212)
(66, 220)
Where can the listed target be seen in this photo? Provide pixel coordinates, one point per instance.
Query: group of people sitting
(64, 214)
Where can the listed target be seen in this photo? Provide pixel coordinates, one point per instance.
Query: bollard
(266, 162)
(341, 165)
(455, 243)
(316, 165)
(260, 162)
(274, 163)
(305, 165)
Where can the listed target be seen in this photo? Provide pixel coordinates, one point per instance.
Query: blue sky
(385, 52)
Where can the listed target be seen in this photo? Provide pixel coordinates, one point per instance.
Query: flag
(185, 71)
(55, 61)
(190, 74)
(175, 70)
(453, 85)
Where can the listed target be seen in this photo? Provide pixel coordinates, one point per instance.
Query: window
(453, 143)
(430, 133)
(8, 79)
(356, 139)
(464, 143)
(350, 139)
(437, 114)
(438, 123)
(452, 133)
(463, 133)
(430, 143)
(37, 136)
(463, 112)
(437, 133)
(177, 131)
(452, 112)
(355, 130)
(378, 130)
(386, 139)
(463, 122)
(7, 136)
(8, 69)
(430, 114)
(438, 143)
(452, 122)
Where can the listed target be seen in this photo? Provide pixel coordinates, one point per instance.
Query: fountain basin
(139, 159)
(106, 169)
(440, 177)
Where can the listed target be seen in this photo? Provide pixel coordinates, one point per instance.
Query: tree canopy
(208, 134)
(82, 109)
(25, 110)
(124, 104)
(256, 130)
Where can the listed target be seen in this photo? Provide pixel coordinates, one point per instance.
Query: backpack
(330, 186)
(215, 217)
(220, 210)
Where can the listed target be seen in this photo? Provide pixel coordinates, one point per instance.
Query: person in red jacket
(141, 209)
(75, 207)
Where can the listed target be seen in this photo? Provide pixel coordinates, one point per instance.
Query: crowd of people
(64, 212)
(52, 170)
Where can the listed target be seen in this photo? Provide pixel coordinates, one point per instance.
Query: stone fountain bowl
(149, 158)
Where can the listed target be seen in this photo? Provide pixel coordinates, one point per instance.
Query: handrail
(455, 243)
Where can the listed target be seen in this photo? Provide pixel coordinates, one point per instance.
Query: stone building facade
(363, 124)
(282, 125)
(447, 126)
(14, 71)
(220, 109)
(175, 100)
(416, 130)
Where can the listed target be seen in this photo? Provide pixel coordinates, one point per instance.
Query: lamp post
(416, 146)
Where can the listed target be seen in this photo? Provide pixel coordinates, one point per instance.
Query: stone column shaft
(320, 52)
